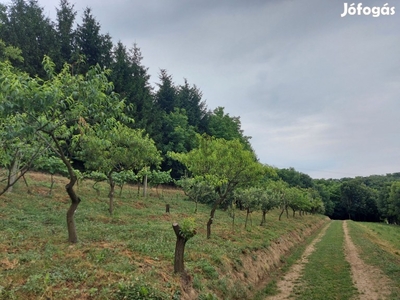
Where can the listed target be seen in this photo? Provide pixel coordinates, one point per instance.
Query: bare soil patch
(371, 283)
(288, 282)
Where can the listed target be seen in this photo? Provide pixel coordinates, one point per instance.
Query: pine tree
(65, 31)
(189, 98)
(26, 27)
(91, 44)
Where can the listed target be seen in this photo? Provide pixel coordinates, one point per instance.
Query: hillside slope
(130, 254)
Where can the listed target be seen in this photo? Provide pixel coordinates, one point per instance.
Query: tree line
(373, 198)
(171, 114)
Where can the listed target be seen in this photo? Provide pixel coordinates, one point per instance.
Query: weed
(138, 291)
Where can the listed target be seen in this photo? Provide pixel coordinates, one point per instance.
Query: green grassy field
(129, 254)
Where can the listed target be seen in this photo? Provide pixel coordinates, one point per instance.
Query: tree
(131, 81)
(221, 125)
(197, 190)
(53, 165)
(178, 136)
(157, 178)
(94, 46)
(189, 98)
(56, 111)
(394, 203)
(269, 199)
(19, 150)
(65, 31)
(225, 165)
(249, 199)
(183, 233)
(359, 201)
(26, 27)
(295, 178)
(166, 95)
(10, 53)
(114, 148)
(299, 200)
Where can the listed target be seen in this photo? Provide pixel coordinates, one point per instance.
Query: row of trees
(170, 114)
(373, 198)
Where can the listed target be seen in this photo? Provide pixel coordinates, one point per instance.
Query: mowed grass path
(327, 275)
(379, 246)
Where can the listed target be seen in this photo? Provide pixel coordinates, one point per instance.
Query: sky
(316, 91)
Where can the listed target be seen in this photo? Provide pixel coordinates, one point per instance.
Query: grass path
(286, 285)
(323, 271)
(331, 267)
(370, 281)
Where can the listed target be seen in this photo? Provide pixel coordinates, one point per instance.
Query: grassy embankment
(126, 254)
(379, 246)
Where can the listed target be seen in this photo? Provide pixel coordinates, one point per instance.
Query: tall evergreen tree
(148, 115)
(65, 32)
(190, 99)
(131, 81)
(26, 27)
(166, 95)
(94, 46)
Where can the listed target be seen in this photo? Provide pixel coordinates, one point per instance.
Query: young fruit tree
(196, 189)
(116, 148)
(268, 200)
(57, 109)
(249, 199)
(224, 165)
(19, 150)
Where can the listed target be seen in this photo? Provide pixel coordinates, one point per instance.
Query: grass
(129, 254)
(295, 254)
(379, 245)
(327, 275)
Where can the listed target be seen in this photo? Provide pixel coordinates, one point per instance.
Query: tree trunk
(247, 217)
(294, 212)
(287, 212)
(111, 196)
(179, 266)
(280, 215)
(26, 184)
(145, 186)
(210, 221)
(75, 200)
(233, 221)
(52, 184)
(263, 220)
(13, 172)
(167, 208)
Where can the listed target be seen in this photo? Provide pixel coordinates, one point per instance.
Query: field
(129, 255)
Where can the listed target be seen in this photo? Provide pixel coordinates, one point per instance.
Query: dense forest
(170, 120)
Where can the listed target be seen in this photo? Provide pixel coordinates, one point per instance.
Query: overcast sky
(315, 91)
